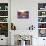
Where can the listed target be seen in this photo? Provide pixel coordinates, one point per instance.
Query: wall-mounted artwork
(23, 14)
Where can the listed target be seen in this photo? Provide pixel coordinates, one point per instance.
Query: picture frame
(22, 14)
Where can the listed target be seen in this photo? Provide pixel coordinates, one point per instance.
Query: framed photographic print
(23, 14)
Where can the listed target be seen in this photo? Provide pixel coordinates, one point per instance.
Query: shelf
(41, 10)
(42, 16)
(3, 22)
(3, 16)
(41, 22)
(42, 37)
(41, 28)
(3, 10)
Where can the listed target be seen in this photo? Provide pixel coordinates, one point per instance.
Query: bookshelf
(4, 19)
(42, 19)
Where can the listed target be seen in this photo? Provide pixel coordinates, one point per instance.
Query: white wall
(23, 24)
(31, 6)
